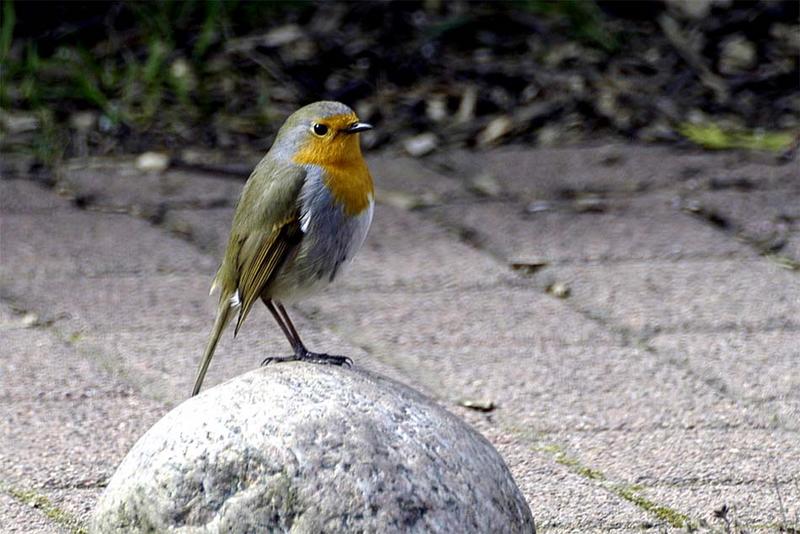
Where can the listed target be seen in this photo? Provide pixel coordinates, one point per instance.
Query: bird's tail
(223, 317)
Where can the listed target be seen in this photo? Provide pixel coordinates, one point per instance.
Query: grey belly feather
(330, 241)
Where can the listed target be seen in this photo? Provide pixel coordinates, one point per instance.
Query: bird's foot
(326, 359)
(304, 355)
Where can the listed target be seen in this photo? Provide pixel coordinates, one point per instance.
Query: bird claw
(311, 357)
(327, 359)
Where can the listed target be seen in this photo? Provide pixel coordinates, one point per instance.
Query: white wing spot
(235, 300)
(305, 220)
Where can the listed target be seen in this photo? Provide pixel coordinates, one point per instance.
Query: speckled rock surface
(308, 448)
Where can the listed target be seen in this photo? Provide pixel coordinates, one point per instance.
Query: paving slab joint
(540, 277)
(730, 228)
(75, 341)
(783, 261)
(673, 517)
(676, 519)
(46, 507)
(628, 492)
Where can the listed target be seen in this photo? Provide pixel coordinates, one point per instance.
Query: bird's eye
(319, 129)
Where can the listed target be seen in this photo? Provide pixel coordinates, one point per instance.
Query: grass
(784, 262)
(634, 494)
(714, 137)
(46, 507)
(630, 493)
(7, 30)
(585, 20)
(160, 77)
(162, 70)
(166, 73)
(49, 144)
(668, 515)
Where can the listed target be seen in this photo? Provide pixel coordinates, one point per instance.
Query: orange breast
(345, 171)
(351, 185)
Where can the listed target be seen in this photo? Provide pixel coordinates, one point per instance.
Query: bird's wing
(266, 230)
(266, 252)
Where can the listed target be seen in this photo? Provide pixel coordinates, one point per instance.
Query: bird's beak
(358, 127)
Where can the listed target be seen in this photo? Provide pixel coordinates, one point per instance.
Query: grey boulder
(298, 447)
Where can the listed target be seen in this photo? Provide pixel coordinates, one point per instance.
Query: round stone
(298, 447)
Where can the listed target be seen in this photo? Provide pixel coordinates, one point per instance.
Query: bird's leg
(291, 335)
(300, 351)
(297, 345)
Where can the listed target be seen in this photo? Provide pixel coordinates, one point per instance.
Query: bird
(302, 215)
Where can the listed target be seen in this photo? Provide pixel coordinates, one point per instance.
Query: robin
(303, 214)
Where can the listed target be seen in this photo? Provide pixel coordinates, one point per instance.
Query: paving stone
(568, 388)
(791, 247)
(771, 218)
(120, 185)
(18, 517)
(81, 306)
(698, 456)
(58, 444)
(650, 527)
(405, 251)
(648, 296)
(76, 242)
(752, 209)
(553, 173)
(750, 365)
(206, 228)
(25, 196)
(735, 170)
(104, 316)
(643, 228)
(482, 319)
(567, 385)
(783, 413)
(393, 172)
(566, 501)
(36, 365)
(751, 506)
(548, 173)
(162, 363)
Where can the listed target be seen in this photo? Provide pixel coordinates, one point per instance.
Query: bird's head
(322, 133)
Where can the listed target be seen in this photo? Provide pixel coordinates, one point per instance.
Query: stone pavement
(623, 320)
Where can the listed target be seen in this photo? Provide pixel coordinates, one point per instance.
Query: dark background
(109, 77)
